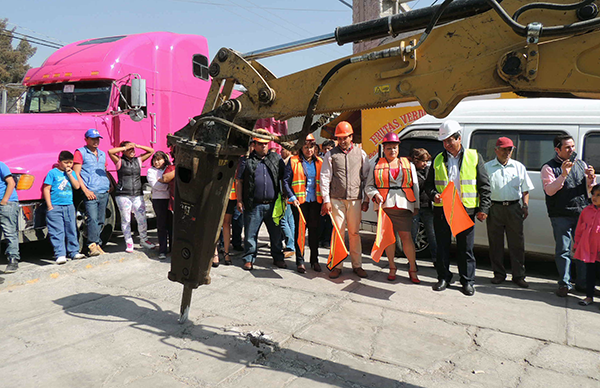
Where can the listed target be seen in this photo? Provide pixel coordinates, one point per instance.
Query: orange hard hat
(343, 129)
(310, 137)
(262, 131)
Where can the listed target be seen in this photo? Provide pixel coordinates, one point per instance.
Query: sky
(243, 25)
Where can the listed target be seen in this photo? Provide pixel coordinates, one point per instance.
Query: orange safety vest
(232, 195)
(299, 178)
(382, 178)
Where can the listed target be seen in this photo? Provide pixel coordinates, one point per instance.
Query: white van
(532, 124)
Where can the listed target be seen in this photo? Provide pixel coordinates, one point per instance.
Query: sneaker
(129, 248)
(12, 266)
(147, 244)
(94, 249)
(61, 259)
(162, 256)
(78, 256)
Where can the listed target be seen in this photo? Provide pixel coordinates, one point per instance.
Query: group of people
(85, 169)
(336, 186)
(342, 182)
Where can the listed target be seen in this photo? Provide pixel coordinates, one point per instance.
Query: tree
(13, 61)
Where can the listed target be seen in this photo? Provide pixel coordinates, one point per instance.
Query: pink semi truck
(132, 87)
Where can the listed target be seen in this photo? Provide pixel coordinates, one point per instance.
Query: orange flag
(385, 235)
(301, 232)
(455, 212)
(338, 251)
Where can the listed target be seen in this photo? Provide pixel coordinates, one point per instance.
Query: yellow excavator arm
(467, 48)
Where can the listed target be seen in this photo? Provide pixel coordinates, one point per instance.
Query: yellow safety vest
(468, 178)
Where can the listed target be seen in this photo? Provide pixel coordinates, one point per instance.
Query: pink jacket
(587, 235)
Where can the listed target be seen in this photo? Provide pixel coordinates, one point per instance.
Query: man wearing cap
(89, 163)
(344, 172)
(509, 183)
(257, 187)
(466, 169)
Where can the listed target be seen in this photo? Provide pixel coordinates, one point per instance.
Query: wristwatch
(525, 206)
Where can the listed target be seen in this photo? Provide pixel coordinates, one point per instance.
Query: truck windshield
(92, 96)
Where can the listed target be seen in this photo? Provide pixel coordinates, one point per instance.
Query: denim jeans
(426, 217)
(95, 213)
(564, 231)
(63, 228)
(253, 220)
(9, 217)
(288, 228)
(237, 225)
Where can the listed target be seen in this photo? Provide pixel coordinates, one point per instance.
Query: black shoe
(301, 268)
(441, 285)
(316, 267)
(562, 291)
(468, 290)
(498, 279)
(280, 264)
(12, 266)
(520, 282)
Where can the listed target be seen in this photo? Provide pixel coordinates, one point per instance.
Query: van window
(533, 149)
(432, 146)
(591, 145)
(200, 63)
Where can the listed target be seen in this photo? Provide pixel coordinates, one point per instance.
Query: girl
(160, 201)
(128, 194)
(587, 243)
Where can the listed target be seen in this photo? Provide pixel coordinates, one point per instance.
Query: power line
(28, 40)
(345, 3)
(54, 40)
(34, 37)
(264, 8)
(292, 24)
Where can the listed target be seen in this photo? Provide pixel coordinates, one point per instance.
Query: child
(587, 243)
(9, 217)
(160, 201)
(128, 194)
(60, 215)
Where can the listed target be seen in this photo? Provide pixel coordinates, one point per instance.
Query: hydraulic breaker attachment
(206, 155)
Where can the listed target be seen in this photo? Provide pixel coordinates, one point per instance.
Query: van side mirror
(138, 92)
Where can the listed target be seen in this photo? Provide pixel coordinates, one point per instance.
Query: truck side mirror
(138, 92)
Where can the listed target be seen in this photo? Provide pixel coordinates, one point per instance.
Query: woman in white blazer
(393, 184)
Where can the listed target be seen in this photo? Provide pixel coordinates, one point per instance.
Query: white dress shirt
(508, 182)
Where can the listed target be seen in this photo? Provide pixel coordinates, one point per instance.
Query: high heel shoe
(413, 276)
(227, 258)
(392, 275)
(215, 264)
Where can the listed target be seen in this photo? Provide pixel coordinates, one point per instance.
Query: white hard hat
(449, 128)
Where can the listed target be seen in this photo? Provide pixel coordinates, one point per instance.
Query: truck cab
(129, 87)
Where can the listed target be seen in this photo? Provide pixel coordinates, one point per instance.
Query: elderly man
(345, 169)
(567, 182)
(465, 168)
(510, 184)
(257, 187)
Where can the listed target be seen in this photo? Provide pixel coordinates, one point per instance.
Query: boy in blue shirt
(60, 216)
(9, 216)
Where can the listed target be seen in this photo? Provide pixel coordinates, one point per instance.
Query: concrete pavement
(111, 321)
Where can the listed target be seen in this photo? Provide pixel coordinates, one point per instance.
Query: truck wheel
(110, 221)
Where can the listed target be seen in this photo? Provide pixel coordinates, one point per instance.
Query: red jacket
(587, 235)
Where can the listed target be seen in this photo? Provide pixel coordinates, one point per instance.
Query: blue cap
(92, 133)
